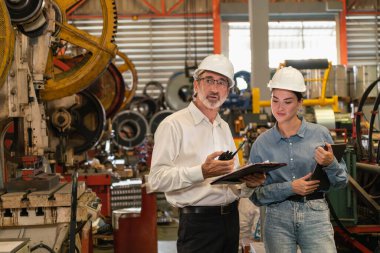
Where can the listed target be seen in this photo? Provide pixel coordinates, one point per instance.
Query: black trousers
(209, 232)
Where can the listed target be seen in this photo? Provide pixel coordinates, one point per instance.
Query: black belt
(299, 198)
(210, 209)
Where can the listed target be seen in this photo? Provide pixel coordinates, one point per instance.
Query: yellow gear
(128, 66)
(7, 41)
(100, 51)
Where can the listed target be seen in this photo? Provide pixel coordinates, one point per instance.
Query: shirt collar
(301, 131)
(198, 116)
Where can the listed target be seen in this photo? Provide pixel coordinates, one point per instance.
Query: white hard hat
(217, 63)
(288, 78)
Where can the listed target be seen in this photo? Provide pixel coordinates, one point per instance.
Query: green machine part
(344, 201)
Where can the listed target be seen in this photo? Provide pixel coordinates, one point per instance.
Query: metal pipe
(343, 34)
(217, 26)
(368, 167)
(306, 102)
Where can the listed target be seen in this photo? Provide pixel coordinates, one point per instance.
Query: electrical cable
(354, 236)
(191, 60)
(79, 228)
(371, 183)
(358, 117)
(73, 218)
(371, 126)
(187, 34)
(338, 221)
(42, 245)
(193, 13)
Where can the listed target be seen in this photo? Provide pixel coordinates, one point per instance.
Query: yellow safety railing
(322, 100)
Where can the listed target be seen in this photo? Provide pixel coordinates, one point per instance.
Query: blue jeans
(288, 224)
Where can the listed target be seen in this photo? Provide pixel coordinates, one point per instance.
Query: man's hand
(304, 187)
(324, 157)
(213, 168)
(254, 180)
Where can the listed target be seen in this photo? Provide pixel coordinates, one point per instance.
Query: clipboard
(234, 177)
(320, 174)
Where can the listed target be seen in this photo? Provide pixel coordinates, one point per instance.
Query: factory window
(363, 39)
(287, 40)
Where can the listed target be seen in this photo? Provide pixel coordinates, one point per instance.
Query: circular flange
(130, 129)
(88, 123)
(179, 91)
(144, 105)
(22, 11)
(246, 76)
(157, 118)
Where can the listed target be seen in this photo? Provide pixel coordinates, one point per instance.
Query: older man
(187, 145)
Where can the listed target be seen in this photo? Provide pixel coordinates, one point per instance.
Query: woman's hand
(324, 157)
(303, 186)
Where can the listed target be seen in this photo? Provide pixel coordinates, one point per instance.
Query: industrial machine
(58, 88)
(65, 102)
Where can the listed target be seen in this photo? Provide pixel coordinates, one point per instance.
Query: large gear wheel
(7, 42)
(89, 120)
(130, 67)
(82, 124)
(109, 87)
(99, 52)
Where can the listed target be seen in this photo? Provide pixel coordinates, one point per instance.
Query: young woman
(296, 214)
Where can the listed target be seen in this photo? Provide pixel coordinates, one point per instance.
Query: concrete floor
(166, 235)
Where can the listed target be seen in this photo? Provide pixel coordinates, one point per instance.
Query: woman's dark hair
(298, 95)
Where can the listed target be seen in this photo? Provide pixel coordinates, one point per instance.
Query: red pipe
(343, 34)
(74, 7)
(351, 241)
(163, 7)
(364, 229)
(216, 20)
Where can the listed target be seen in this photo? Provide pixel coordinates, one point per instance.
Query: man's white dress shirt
(183, 141)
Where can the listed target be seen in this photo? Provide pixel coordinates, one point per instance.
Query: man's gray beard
(208, 104)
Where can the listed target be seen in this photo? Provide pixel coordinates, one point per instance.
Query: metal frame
(164, 13)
